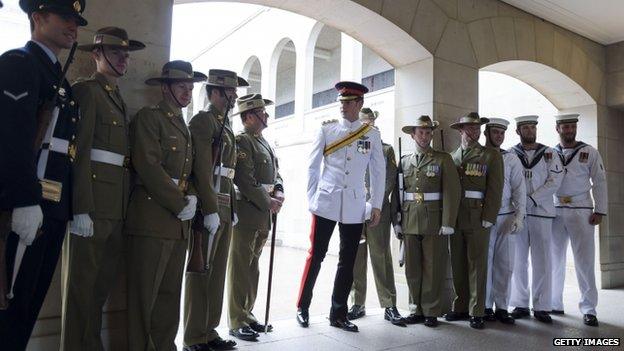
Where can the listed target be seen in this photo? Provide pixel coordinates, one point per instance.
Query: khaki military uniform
(203, 300)
(377, 241)
(257, 179)
(101, 189)
(431, 200)
(157, 239)
(481, 175)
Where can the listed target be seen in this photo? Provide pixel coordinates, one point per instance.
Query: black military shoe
(343, 324)
(260, 328)
(220, 344)
(591, 320)
(197, 347)
(542, 316)
(392, 314)
(356, 311)
(559, 312)
(477, 322)
(520, 312)
(303, 317)
(414, 319)
(244, 333)
(489, 315)
(503, 316)
(431, 322)
(456, 316)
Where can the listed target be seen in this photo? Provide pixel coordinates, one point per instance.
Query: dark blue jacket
(27, 80)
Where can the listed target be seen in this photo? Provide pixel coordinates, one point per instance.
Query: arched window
(285, 81)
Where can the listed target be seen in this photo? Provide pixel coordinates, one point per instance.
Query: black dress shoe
(559, 312)
(260, 328)
(392, 314)
(197, 347)
(303, 317)
(542, 316)
(489, 315)
(591, 320)
(520, 312)
(504, 317)
(477, 322)
(414, 319)
(343, 324)
(220, 344)
(431, 322)
(356, 311)
(456, 316)
(244, 333)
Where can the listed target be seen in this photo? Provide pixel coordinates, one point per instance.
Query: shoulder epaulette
(330, 121)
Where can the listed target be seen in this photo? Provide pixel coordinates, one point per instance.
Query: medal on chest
(432, 171)
(363, 146)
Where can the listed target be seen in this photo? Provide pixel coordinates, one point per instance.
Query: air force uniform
(583, 171)
(337, 193)
(542, 173)
(510, 219)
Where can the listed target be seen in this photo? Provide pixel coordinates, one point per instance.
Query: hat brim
(241, 83)
(133, 45)
(458, 125)
(197, 77)
(410, 129)
(267, 102)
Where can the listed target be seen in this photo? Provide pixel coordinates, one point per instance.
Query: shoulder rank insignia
(242, 155)
(330, 121)
(583, 157)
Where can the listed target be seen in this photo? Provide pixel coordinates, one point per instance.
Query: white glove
(486, 224)
(212, 222)
(398, 231)
(82, 225)
(516, 225)
(235, 219)
(446, 230)
(188, 212)
(25, 222)
(368, 211)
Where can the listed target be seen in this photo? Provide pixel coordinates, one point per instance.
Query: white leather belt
(566, 200)
(225, 172)
(57, 145)
(176, 181)
(419, 197)
(470, 194)
(108, 157)
(268, 187)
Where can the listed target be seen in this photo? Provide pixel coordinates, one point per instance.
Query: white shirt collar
(47, 50)
(345, 122)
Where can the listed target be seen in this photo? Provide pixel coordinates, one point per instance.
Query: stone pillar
(155, 31)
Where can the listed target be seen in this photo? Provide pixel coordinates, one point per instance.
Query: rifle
(271, 258)
(400, 188)
(199, 261)
(45, 116)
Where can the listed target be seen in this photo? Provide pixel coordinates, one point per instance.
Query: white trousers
(535, 238)
(500, 263)
(572, 225)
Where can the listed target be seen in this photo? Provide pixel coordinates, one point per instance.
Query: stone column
(155, 31)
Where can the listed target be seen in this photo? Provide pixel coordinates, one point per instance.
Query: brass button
(114, 123)
(417, 188)
(417, 178)
(72, 103)
(93, 176)
(173, 148)
(184, 174)
(74, 120)
(187, 160)
(149, 197)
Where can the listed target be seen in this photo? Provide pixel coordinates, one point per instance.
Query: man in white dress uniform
(337, 194)
(509, 222)
(542, 173)
(577, 215)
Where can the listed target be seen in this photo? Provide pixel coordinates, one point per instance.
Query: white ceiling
(599, 20)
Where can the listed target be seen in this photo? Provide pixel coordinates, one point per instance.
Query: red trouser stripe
(306, 269)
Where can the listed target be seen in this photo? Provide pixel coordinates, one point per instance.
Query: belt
(268, 187)
(471, 194)
(566, 200)
(57, 145)
(110, 158)
(420, 197)
(225, 172)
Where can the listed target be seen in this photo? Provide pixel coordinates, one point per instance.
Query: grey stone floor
(377, 334)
